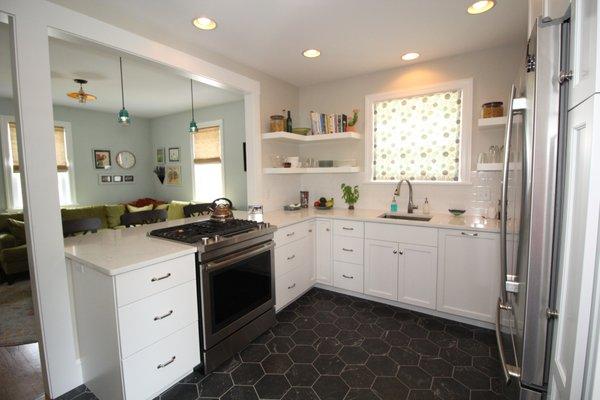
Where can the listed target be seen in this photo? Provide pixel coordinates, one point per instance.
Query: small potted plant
(352, 122)
(350, 195)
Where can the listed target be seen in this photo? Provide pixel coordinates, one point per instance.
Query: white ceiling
(151, 90)
(355, 36)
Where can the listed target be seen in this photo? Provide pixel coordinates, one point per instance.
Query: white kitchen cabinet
(310, 255)
(584, 51)
(348, 276)
(468, 276)
(323, 252)
(381, 269)
(417, 275)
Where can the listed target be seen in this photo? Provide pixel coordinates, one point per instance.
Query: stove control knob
(205, 240)
(266, 224)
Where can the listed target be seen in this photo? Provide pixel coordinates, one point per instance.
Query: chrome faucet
(411, 206)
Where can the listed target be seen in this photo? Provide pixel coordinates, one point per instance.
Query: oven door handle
(240, 256)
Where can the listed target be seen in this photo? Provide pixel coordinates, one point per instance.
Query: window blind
(59, 145)
(207, 145)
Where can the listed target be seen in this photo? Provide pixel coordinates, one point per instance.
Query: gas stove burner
(203, 231)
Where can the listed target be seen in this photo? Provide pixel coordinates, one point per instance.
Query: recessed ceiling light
(481, 6)
(311, 53)
(410, 56)
(204, 23)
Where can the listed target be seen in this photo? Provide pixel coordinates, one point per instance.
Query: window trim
(206, 124)
(7, 162)
(466, 85)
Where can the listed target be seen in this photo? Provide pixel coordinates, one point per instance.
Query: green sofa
(13, 251)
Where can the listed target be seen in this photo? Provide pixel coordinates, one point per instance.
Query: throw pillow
(113, 214)
(161, 207)
(133, 209)
(175, 210)
(17, 229)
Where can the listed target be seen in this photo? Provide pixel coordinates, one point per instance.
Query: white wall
(493, 72)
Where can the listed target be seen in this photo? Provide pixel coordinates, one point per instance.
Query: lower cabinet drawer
(157, 367)
(348, 249)
(348, 276)
(153, 318)
(290, 285)
(290, 256)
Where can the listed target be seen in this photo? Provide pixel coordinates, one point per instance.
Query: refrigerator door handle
(509, 371)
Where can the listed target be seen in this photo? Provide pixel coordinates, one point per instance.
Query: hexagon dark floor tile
(326, 330)
(264, 338)
(383, 311)
(247, 374)
(396, 338)
(472, 378)
(214, 385)
(280, 345)
(436, 367)
(375, 346)
(240, 393)
(473, 347)
(361, 394)
(424, 347)
(301, 393)
(350, 338)
(442, 339)
(181, 391)
(324, 317)
(276, 363)
(414, 331)
(344, 311)
(328, 346)
(283, 329)
(414, 377)
(302, 375)
(305, 323)
(365, 317)
(347, 323)
(449, 389)
(389, 324)
(306, 311)
(455, 356)
(382, 366)
(489, 366)
(329, 365)
(286, 316)
(303, 354)
(353, 355)
(357, 376)
(254, 353)
(404, 356)
(459, 331)
(229, 365)
(304, 337)
(324, 305)
(390, 389)
(404, 315)
(369, 331)
(432, 324)
(422, 395)
(272, 386)
(330, 388)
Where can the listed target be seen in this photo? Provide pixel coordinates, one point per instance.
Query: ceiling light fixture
(81, 95)
(123, 118)
(311, 53)
(193, 125)
(410, 56)
(204, 23)
(481, 6)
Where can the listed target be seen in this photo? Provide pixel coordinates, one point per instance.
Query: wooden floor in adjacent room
(20, 373)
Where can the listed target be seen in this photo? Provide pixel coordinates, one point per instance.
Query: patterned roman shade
(207, 145)
(59, 144)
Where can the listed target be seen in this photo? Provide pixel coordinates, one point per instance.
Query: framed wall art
(102, 159)
(173, 154)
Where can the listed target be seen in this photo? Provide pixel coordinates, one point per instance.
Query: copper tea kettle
(221, 210)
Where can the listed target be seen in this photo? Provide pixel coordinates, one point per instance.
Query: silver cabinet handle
(347, 229)
(159, 317)
(395, 251)
(310, 231)
(291, 257)
(291, 287)
(349, 250)
(401, 252)
(159, 366)
(290, 234)
(347, 276)
(327, 229)
(160, 278)
(469, 234)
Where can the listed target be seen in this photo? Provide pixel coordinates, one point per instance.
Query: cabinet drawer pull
(160, 278)
(291, 287)
(290, 234)
(158, 318)
(395, 251)
(345, 249)
(469, 234)
(167, 363)
(347, 229)
(347, 276)
(291, 257)
(327, 229)
(401, 252)
(310, 231)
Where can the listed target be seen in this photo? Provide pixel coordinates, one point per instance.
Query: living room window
(421, 135)
(207, 165)
(12, 166)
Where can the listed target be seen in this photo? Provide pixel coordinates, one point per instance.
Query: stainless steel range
(236, 283)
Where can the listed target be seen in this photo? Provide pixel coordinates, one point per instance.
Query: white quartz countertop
(114, 252)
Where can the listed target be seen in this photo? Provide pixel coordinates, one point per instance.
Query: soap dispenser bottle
(426, 208)
(394, 205)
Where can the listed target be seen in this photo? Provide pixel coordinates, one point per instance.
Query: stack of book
(328, 123)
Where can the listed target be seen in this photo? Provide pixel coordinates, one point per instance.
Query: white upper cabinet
(468, 281)
(417, 275)
(546, 8)
(584, 51)
(381, 269)
(323, 259)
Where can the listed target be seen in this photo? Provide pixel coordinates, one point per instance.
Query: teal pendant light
(123, 118)
(193, 125)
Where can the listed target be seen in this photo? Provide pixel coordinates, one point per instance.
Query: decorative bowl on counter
(323, 207)
(456, 212)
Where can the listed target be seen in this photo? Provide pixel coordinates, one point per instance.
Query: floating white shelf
(330, 170)
(492, 123)
(287, 137)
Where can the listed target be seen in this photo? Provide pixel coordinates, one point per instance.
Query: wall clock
(126, 159)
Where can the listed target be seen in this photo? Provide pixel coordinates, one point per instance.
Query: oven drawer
(144, 282)
(290, 286)
(348, 228)
(151, 319)
(290, 233)
(348, 249)
(290, 256)
(348, 276)
(159, 366)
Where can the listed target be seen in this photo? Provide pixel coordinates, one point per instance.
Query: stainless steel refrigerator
(531, 209)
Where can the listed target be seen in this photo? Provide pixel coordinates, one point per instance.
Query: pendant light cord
(192, 93)
(122, 90)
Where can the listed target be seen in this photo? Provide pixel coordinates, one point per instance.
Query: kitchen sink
(407, 217)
